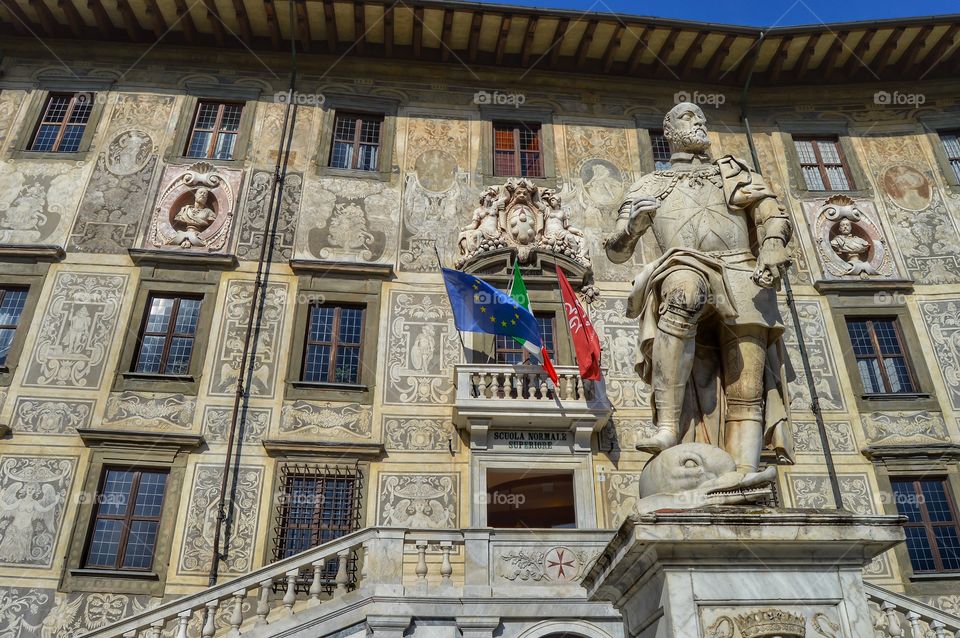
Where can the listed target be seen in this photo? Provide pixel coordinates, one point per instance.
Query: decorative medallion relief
(425, 501)
(521, 216)
(905, 427)
(77, 614)
(226, 365)
(254, 224)
(37, 200)
(33, 494)
(347, 220)
(415, 434)
(139, 410)
(44, 415)
(422, 348)
(326, 419)
(806, 437)
(116, 195)
(795, 622)
(253, 427)
(619, 337)
(77, 329)
(195, 208)
(202, 517)
(558, 564)
(10, 101)
(941, 319)
(850, 243)
(812, 491)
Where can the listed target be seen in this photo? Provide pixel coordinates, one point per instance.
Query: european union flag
(479, 307)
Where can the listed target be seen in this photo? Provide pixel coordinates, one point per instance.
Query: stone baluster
(446, 569)
(290, 596)
(155, 628)
(488, 386)
(474, 384)
(570, 387)
(316, 587)
(421, 570)
(183, 620)
(894, 627)
(515, 387)
(939, 629)
(236, 615)
(342, 576)
(263, 602)
(210, 624)
(916, 628)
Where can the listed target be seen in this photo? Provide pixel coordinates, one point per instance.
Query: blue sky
(758, 13)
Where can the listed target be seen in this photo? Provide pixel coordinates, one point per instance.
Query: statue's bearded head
(685, 128)
(201, 195)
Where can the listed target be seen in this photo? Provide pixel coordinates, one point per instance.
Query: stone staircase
(382, 581)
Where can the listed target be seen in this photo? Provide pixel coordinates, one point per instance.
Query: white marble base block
(738, 572)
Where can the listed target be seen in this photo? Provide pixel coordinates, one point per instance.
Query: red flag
(585, 339)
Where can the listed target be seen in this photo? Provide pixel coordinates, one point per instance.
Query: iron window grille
(661, 151)
(63, 123)
(213, 134)
(333, 348)
(12, 301)
(822, 163)
(507, 350)
(356, 141)
(932, 527)
(517, 149)
(167, 335)
(123, 535)
(317, 504)
(881, 357)
(951, 146)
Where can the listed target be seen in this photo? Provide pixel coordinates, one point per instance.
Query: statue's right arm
(633, 219)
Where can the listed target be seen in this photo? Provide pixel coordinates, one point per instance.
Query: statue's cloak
(734, 299)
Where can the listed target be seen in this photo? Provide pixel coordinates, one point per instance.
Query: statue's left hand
(773, 254)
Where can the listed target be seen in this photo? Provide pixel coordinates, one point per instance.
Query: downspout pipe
(257, 305)
(788, 291)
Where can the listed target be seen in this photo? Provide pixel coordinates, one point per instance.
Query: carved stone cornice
(94, 437)
(168, 258)
(283, 447)
(342, 268)
(31, 254)
(943, 452)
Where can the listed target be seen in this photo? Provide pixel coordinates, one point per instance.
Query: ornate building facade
(220, 292)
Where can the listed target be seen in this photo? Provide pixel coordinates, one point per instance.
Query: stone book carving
(710, 328)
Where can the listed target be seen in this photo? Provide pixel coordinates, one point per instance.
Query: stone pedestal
(739, 572)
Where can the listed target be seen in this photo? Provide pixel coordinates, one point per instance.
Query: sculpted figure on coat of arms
(710, 327)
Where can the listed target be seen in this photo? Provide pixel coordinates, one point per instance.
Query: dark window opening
(508, 350)
(356, 141)
(213, 134)
(517, 149)
(822, 164)
(951, 146)
(334, 344)
(661, 151)
(317, 504)
(932, 527)
(167, 336)
(12, 301)
(64, 120)
(530, 498)
(881, 357)
(127, 520)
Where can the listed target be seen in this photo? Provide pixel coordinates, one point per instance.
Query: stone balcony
(522, 398)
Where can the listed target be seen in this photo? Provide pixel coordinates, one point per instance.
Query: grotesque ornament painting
(710, 327)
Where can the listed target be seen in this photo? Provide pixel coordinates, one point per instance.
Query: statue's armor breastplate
(694, 214)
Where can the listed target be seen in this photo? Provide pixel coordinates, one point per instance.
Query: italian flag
(518, 292)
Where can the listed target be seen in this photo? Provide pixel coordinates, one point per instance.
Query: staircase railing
(899, 616)
(288, 575)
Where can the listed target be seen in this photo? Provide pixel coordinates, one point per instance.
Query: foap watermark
(515, 501)
(700, 99)
(889, 298)
(886, 98)
(299, 99)
(497, 98)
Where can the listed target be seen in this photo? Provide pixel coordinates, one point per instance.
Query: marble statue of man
(710, 328)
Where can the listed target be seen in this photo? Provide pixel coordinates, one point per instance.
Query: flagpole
(440, 268)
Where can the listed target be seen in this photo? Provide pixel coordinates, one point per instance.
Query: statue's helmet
(685, 127)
